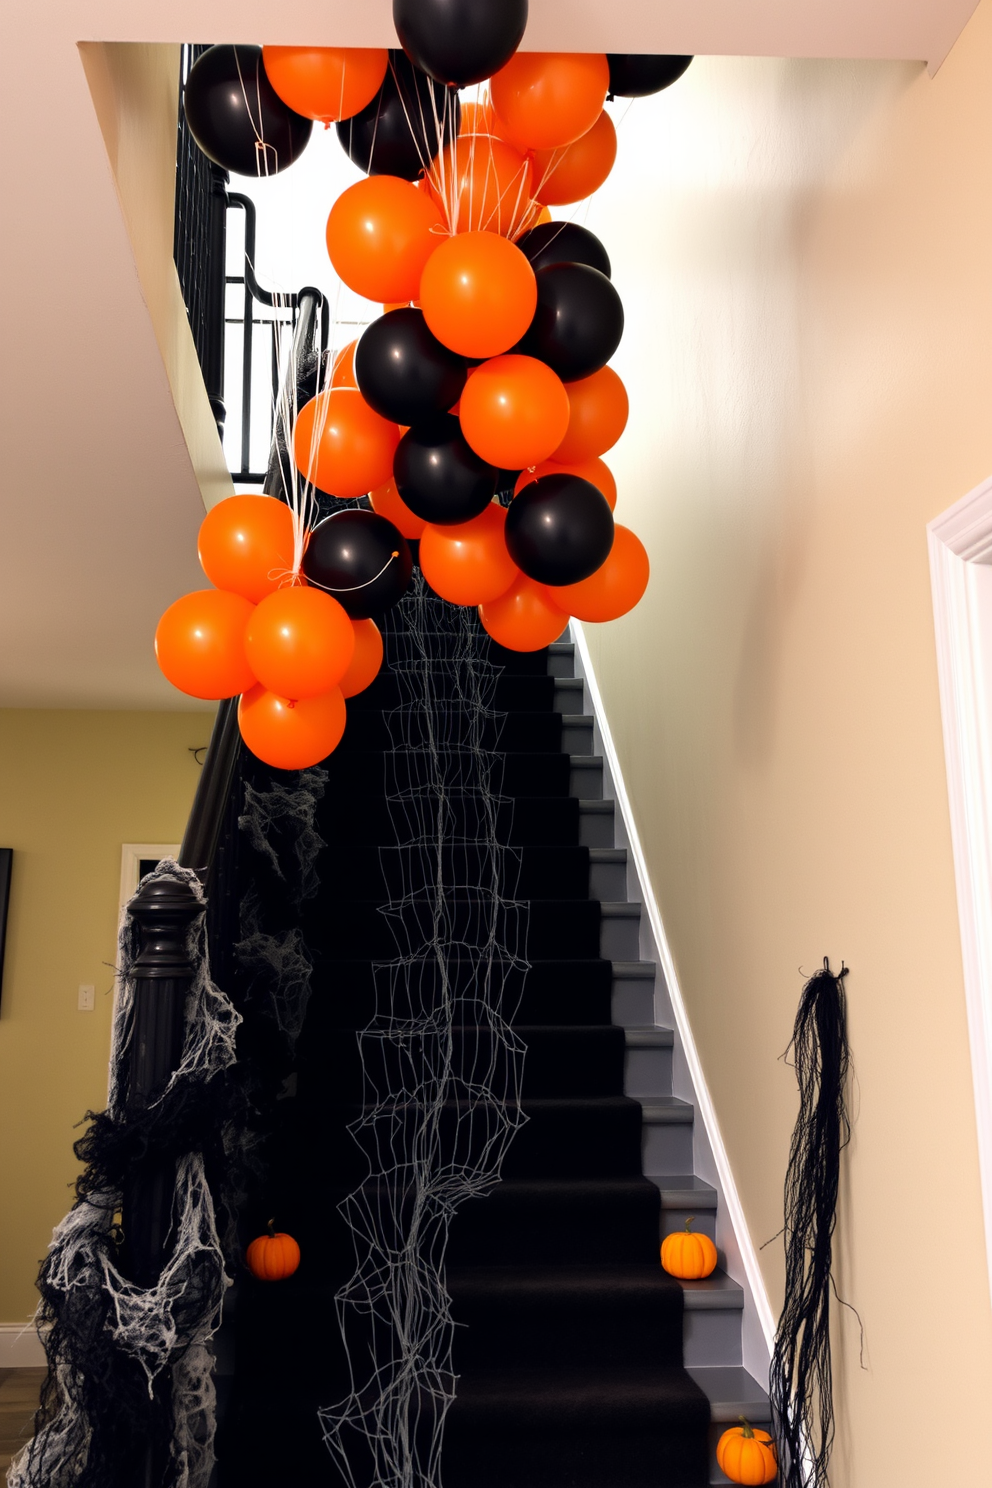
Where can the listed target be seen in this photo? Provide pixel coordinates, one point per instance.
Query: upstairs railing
(204, 203)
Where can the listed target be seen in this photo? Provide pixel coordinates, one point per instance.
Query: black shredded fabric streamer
(801, 1378)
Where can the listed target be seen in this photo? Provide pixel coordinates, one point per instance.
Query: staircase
(579, 1363)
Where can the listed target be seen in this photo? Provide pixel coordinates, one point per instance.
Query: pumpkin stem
(747, 1432)
(271, 1228)
(689, 1221)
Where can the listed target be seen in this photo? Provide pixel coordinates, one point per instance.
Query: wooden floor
(19, 1390)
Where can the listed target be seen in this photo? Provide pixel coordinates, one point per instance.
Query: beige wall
(135, 90)
(803, 251)
(74, 786)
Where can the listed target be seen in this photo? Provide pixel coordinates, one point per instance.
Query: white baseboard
(20, 1346)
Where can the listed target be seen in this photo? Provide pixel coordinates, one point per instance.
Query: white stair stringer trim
(711, 1160)
(960, 544)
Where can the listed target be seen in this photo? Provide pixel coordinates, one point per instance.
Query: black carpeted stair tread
(565, 1316)
(444, 650)
(529, 873)
(561, 1062)
(512, 733)
(372, 772)
(561, 1138)
(578, 1398)
(355, 929)
(559, 992)
(349, 817)
(577, 1428)
(559, 1221)
(530, 1221)
(526, 693)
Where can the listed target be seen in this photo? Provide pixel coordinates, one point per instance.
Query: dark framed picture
(6, 860)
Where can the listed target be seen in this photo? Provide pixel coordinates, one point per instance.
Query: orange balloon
(524, 618)
(615, 587)
(325, 83)
(342, 445)
(366, 661)
(595, 471)
(478, 294)
(514, 411)
(200, 644)
(380, 234)
(467, 562)
(343, 367)
(299, 642)
(570, 175)
(597, 416)
(544, 100)
(291, 735)
(245, 545)
(388, 502)
(478, 118)
(482, 184)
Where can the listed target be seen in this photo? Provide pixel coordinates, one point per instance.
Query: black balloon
(404, 372)
(636, 74)
(563, 242)
(361, 560)
(460, 41)
(559, 529)
(439, 475)
(236, 116)
(400, 131)
(578, 321)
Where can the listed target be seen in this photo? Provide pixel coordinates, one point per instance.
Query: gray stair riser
(666, 1149)
(586, 780)
(619, 937)
(704, 1220)
(596, 828)
(712, 1337)
(608, 880)
(647, 1072)
(561, 659)
(633, 1003)
(576, 735)
(569, 696)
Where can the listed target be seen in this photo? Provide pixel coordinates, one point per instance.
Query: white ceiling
(99, 506)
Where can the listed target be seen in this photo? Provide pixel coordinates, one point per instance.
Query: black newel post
(161, 975)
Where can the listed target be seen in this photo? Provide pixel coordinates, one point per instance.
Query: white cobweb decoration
(173, 1322)
(441, 1065)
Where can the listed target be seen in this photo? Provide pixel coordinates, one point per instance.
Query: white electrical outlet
(87, 998)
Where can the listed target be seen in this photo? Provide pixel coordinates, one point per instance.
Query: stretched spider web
(442, 1066)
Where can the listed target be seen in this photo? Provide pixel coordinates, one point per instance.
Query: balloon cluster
(487, 374)
(293, 648)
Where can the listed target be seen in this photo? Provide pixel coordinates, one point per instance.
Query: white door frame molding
(960, 543)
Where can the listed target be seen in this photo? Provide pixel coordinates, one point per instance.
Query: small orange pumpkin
(273, 1256)
(688, 1255)
(747, 1455)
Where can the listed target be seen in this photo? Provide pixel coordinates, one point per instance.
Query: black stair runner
(569, 1357)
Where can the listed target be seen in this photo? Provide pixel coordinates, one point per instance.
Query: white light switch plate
(87, 998)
